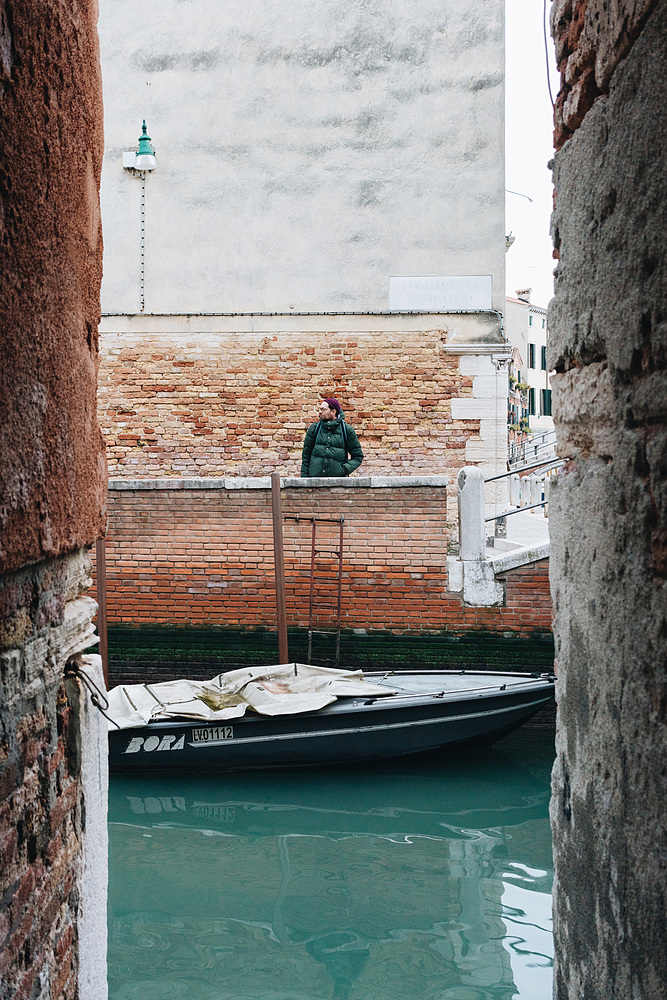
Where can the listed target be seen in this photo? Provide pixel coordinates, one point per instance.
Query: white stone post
(537, 487)
(474, 572)
(472, 530)
(515, 489)
(547, 487)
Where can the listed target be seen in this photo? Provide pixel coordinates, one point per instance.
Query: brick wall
(42, 817)
(200, 557)
(528, 599)
(211, 403)
(39, 847)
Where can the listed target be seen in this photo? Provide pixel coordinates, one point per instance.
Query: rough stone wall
(608, 510)
(51, 461)
(52, 482)
(204, 557)
(592, 37)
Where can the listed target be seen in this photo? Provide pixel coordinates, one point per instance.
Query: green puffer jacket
(324, 452)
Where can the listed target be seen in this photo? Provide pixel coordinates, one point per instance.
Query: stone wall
(592, 37)
(52, 499)
(608, 511)
(51, 460)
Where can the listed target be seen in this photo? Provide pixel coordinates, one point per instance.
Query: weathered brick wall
(41, 796)
(204, 557)
(39, 854)
(608, 509)
(225, 403)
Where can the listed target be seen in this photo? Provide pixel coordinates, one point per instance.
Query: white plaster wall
(307, 150)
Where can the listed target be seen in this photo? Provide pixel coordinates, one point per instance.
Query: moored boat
(374, 715)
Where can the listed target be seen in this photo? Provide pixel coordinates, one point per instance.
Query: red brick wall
(202, 557)
(528, 598)
(238, 404)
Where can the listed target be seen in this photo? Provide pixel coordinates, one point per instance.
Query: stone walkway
(524, 529)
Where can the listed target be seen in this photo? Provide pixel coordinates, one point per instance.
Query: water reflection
(424, 879)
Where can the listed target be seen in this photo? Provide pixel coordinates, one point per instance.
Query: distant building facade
(518, 429)
(307, 154)
(526, 329)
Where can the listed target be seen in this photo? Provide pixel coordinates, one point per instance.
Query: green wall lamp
(143, 159)
(138, 163)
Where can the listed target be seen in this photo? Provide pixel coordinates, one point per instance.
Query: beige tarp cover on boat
(282, 689)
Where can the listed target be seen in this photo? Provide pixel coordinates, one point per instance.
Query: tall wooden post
(279, 563)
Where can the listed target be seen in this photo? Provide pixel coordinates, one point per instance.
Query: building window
(530, 321)
(543, 323)
(546, 402)
(544, 358)
(531, 402)
(531, 355)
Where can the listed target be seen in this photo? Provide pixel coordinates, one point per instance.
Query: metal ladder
(314, 551)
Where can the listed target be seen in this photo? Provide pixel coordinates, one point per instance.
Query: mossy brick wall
(202, 558)
(238, 404)
(149, 654)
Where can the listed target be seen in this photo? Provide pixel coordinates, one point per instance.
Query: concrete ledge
(467, 327)
(374, 482)
(176, 483)
(327, 482)
(519, 557)
(244, 483)
(287, 482)
(389, 482)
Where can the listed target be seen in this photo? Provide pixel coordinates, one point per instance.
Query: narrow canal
(422, 879)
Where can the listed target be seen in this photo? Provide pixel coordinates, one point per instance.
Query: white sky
(528, 148)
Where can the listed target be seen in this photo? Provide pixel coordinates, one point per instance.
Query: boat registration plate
(213, 734)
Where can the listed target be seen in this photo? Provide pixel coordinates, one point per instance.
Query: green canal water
(422, 879)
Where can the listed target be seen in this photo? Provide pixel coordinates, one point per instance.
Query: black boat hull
(346, 731)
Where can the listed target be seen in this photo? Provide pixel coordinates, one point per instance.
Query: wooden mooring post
(101, 573)
(279, 563)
